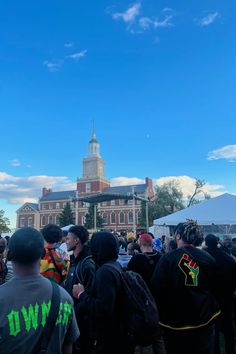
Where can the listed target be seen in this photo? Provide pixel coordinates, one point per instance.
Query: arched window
(58, 220)
(43, 221)
(113, 218)
(138, 216)
(105, 218)
(130, 217)
(122, 217)
(50, 219)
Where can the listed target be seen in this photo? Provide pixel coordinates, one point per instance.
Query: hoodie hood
(104, 247)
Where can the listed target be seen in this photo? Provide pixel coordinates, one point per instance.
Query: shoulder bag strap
(54, 262)
(52, 318)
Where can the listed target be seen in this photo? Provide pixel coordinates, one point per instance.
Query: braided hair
(189, 232)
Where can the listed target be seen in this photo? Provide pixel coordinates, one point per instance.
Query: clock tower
(93, 170)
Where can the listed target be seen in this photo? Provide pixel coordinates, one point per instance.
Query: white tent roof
(219, 211)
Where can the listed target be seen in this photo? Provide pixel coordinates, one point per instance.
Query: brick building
(117, 214)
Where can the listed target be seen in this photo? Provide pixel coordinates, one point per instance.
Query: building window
(138, 216)
(138, 202)
(43, 220)
(64, 204)
(58, 220)
(105, 218)
(130, 217)
(43, 206)
(22, 222)
(113, 218)
(121, 202)
(130, 201)
(50, 219)
(57, 205)
(122, 217)
(88, 187)
(83, 220)
(113, 202)
(104, 203)
(30, 221)
(50, 205)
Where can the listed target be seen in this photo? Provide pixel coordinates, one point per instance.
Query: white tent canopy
(66, 228)
(218, 211)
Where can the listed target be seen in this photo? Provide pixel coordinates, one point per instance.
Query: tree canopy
(66, 217)
(4, 222)
(89, 218)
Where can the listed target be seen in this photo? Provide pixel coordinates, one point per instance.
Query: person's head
(211, 241)
(227, 241)
(145, 243)
(26, 248)
(3, 245)
(172, 245)
(188, 233)
(133, 248)
(76, 238)
(104, 247)
(52, 233)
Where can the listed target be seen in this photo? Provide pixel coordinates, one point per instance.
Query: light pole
(95, 217)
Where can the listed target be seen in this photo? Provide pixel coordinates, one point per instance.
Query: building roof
(58, 196)
(33, 205)
(138, 188)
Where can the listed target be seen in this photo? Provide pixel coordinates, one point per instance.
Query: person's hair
(172, 245)
(211, 241)
(52, 233)
(26, 246)
(189, 232)
(80, 232)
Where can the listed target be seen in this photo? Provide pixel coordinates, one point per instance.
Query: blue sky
(158, 78)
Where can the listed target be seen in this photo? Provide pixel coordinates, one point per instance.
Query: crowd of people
(62, 292)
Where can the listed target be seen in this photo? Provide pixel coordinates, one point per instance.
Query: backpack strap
(54, 262)
(52, 318)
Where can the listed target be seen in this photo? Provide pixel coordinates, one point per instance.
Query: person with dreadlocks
(182, 283)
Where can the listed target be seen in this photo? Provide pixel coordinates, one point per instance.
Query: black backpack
(139, 311)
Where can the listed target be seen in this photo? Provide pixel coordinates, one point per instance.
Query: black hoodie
(182, 281)
(104, 302)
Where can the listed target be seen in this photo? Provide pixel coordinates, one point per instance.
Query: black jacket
(88, 270)
(182, 281)
(225, 284)
(104, 302)
(144, 264)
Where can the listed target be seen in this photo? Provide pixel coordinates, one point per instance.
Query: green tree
(4, 222)
(66, 217)
(89, 218)
(168, 199)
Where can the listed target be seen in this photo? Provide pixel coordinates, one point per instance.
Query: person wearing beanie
(26, 300)
(104, 303)
(183, 281)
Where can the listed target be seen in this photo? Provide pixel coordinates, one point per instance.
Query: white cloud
(53, 66)
(124, 181)
(146, 22)
(15, 163)
(77, 56)
(227, 152)
(15, 189)
(185, 183)
(209, 19)
(129, 15)
(69, 45)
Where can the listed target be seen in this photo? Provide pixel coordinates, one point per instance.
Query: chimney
(148, 182)
(46, 191)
